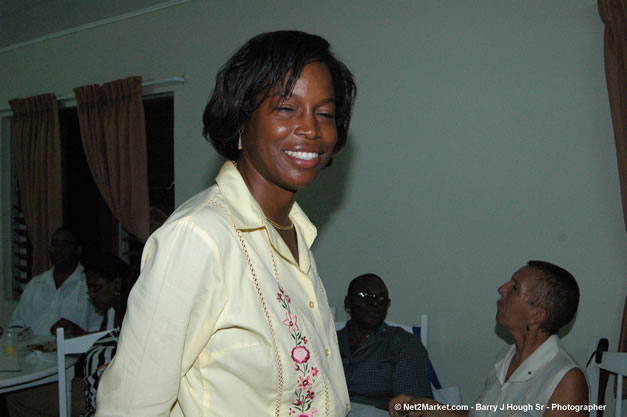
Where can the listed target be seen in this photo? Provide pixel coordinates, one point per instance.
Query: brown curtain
(613, 15)
(113, 132)
(37, 140)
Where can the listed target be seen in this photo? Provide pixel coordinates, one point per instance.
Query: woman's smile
(306, 156)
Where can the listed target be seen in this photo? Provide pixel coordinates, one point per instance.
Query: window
(84, 208)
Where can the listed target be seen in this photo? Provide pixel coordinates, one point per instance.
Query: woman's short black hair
(110, 267)
(267, 61)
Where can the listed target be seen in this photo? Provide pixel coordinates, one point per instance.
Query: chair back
(613, 362)
(65, 347)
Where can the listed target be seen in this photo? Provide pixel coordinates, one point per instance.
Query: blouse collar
(248, 215)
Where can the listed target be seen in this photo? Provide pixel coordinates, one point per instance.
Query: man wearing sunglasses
(379, 361)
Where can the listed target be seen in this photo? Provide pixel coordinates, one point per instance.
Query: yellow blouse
(223, 321)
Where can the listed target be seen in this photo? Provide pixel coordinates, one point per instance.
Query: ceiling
(27, 20)
(23, 21)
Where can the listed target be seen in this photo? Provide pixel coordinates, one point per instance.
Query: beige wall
(481, 139)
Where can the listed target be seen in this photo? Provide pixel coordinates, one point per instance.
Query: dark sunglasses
(373, 298)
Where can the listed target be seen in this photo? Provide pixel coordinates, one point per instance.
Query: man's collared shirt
(42, 304)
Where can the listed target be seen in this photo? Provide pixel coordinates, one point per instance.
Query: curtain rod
(172, 80)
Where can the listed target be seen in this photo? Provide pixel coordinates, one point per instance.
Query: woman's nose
(308, 126)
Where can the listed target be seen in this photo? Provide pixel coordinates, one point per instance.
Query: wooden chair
(65, 347)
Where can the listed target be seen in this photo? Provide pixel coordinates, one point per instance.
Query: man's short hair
(353, 284)
(70, 231)
(556, 291)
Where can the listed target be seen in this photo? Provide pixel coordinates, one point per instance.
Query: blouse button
(312, 304)
(326, 352)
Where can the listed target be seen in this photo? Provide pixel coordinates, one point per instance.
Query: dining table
(29, 367)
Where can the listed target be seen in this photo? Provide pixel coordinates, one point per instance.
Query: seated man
(58, 297)
(380, 361)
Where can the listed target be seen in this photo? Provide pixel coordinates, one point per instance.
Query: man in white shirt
(58, 297)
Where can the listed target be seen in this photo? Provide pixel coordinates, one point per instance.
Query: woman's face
(287, 142)
(513, 308)
(101, 290)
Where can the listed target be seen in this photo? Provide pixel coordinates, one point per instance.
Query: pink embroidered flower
(304, 383)
(300, 354)
(291, 321)
(302, 404)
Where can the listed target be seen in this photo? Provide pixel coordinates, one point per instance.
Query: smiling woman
(229, 305)
(287, 141)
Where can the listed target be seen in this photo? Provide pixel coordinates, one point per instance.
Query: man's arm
(20, 316)
(411, 373)
(572, 390)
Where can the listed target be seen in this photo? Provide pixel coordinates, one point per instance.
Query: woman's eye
(327, 115)
(285, 109)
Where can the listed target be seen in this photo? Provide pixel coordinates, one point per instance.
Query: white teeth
(307, 156)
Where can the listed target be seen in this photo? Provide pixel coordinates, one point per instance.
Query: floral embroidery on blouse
(302, 404)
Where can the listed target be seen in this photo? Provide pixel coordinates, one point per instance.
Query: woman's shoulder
(204, 210)
(201, 220)
(564, 360)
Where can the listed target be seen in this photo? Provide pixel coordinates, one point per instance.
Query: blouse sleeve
(173, 305)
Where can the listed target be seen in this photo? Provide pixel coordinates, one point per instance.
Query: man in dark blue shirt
(380, 361)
